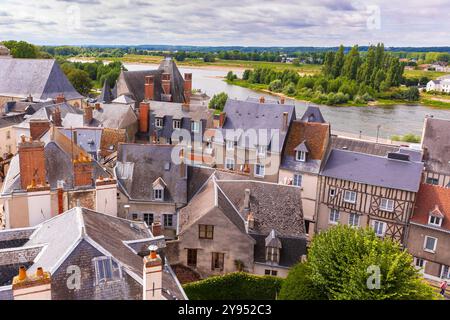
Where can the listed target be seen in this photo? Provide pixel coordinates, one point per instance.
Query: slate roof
(61, 235)
(248, 115)
(115, 116)
(313, 114)
(368, 147)
(436, 145)
(42, 78)
(132, 82)
(106, 95)
(373, 170)
(46, 112)
(87, 138)
(139, 165)
(429, 198)
(9, 121)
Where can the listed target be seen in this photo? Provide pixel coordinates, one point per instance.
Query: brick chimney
(188, 87)
(285, 121)
(262, 99)
(56, 117)
(38, 127)
(156, 229)
(60, 98)
(82, 171)
(165, 82)
(32, 286)
(152, 286)
(144, 109)
(88, 114)
(222, 118)
(149, 87)
(32, 163)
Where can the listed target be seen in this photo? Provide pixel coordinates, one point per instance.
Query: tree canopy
(347, 263)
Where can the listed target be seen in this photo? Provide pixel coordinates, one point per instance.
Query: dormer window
(106, 269)
(177, 124)
(158, 194)
(435, 217)
(158, 189)
(300, 156)
(195, 126)
(272, 254)
(273, 246)
(159, 122)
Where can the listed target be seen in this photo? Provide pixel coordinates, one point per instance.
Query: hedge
(234, 286)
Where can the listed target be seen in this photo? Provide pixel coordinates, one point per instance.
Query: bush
(298, 285)
(409, 137)
(234, 286)
(231, 76)
(276, 86)
(218, 101)
(289, 89)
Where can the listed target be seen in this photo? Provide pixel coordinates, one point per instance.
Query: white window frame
(195, 126)
(176, 124)
(388, 204)
(425, 244)
(447, 276)
(352, 218)
(166, 217)
(229, 145)
(100, 262)
(416, 260)
(158, 194)
(376, 229)
(300, 156)
(229, 162)
(297, 178)
(261, 166)
(336, 216)
(159, 122)
(430, 217)
(347, 199)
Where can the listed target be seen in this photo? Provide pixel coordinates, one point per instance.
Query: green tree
(338, 62)
(276, 86)
(80, 81)
(411, 94)
(328, 64)
(231, 76)
(218, 101)
(351, 64)
(21, 49)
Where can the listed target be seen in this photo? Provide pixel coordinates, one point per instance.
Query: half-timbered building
(363, 190)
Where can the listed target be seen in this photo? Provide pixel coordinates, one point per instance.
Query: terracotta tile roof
(428, 198)
(313, 133)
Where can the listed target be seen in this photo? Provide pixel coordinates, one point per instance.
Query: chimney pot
(22, 273)
(262, 99)
(149, 88)
(40, 272)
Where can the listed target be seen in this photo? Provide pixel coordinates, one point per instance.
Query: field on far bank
(423, 73)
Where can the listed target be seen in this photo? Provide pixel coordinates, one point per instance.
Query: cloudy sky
(227, 22)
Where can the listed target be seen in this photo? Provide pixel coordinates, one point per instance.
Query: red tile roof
(428, 198)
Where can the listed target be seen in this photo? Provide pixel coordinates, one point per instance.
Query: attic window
(158, 194)
(106, 269)
(176, 124)
(159, 122)
(435, 217)
(272, 254)
(300, 156)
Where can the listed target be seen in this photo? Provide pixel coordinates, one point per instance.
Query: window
(300, 156)
(433, 181)
(435, 221)
(353, 219)
(262, 151)
(274, 273)
(259, 170)
(159, 122)
(387, 205)
(217, 261)
(334, 216)
(379, 228)
(195, 126)
(134, 216)
(430, 244)
(419, 262)
(176, 124)
(148, 218)
(272, 254)
(205, 231)
(158, 194)
(229, 163)
(332, 192)
(106, 269)
(350, 196)
(269, 272)
(445, 272)
(230, 145)
(192, 257)
(168, 220)
(297, 180)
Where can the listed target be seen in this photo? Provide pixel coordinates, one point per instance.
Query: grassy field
(422, 73)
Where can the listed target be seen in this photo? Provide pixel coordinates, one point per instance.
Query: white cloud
(230, 22)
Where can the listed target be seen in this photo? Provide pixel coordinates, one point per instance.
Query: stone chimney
(152, 286)
(32, 287)
(262, 99)
(149, 88)
(88, 114)
(82, 171)
(285, 121)
(56, 117)
(32, 163)
(182, 165)
(250, 221)
(282, 100)
(165, 82)
(247, 199)
(144, 109)
(38, 127)
(222, 118)
(188, 87)
(156, 229)
(60, 98)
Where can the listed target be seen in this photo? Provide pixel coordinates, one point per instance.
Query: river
(358, 121)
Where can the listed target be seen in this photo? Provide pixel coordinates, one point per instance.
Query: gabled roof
(115, 116)
(159, 183)
(106, 94)
(428, 199)
(356, 145)
(40, 78)
(313, 114)
(272, 240)
(138, 165)
(123, 99)
(436, 146)
(373, 170)
(302, 147)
